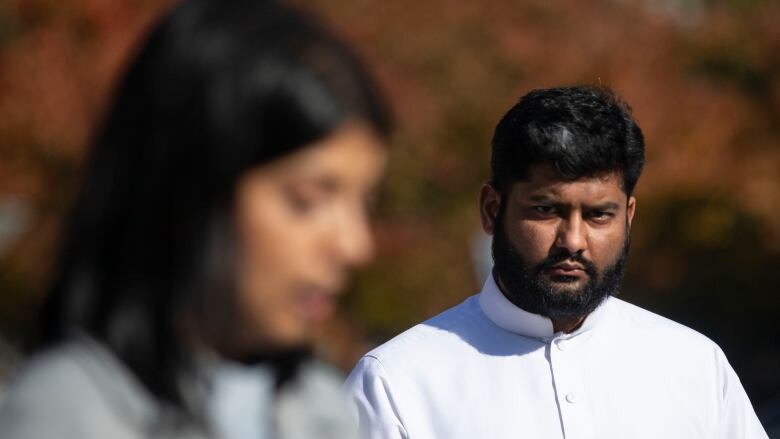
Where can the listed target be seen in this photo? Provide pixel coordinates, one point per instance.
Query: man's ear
(630, 209)
(489, 204)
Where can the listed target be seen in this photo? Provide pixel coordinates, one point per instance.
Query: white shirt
(488, 369)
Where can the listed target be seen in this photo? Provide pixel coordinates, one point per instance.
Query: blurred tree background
(703, 77)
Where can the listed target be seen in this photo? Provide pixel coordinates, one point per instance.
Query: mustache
(565, 255)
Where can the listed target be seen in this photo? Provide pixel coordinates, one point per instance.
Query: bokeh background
(703, 77)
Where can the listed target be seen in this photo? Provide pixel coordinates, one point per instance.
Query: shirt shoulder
(659, 331)
(437, 334)
(699, 361)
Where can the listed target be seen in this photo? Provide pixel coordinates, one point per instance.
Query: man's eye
(599, 215)
(544, 210)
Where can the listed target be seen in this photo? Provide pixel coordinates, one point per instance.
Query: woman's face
(302, 226)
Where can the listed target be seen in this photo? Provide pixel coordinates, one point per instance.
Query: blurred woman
(223, 206)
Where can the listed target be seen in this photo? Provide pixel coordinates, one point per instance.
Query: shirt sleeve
(370, 398)
(738, 419)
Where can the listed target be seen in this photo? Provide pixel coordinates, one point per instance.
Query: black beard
(526, 286)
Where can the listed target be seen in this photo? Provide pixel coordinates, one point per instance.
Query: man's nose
(571, 234)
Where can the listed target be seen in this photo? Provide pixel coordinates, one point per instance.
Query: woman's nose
(353, 240)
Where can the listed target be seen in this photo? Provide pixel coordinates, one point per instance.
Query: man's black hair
(580, 131)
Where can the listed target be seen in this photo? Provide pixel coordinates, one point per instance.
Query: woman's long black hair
(219, 87)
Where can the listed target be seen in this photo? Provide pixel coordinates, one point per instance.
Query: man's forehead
(547, 172)
(544, 180)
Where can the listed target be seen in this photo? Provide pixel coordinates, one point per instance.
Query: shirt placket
(569, 390)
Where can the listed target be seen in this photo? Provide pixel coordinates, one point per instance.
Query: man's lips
(566, 269)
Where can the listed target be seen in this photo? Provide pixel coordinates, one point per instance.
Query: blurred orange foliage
(703, 79)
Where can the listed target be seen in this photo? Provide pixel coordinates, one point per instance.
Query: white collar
(514, 319)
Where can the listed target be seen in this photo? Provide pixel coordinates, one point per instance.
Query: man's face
(559, 246)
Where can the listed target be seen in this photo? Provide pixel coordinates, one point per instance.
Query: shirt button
(570, 398)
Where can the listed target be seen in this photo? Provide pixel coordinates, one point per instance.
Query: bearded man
(545, 350)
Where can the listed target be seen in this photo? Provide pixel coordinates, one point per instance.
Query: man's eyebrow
(609, 205)
(541, 198)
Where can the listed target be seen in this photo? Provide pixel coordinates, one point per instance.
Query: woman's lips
(316, 305)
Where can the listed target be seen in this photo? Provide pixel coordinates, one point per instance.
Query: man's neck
(567, 326)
